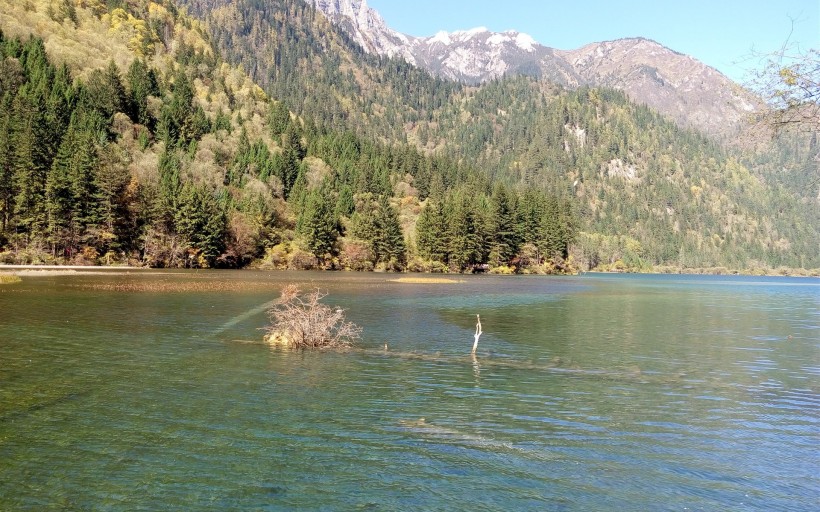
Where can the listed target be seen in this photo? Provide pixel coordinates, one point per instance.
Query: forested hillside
(175, 158)
(130, 132)
(299, 57)
(648, 192)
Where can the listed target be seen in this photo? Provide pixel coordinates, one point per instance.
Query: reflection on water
(150, 391)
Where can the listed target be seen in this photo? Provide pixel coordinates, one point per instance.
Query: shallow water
(150, 391)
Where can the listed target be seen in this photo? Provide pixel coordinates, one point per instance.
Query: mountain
(137, 132)
(478, 55)
(680, 87)
(677, 85)
(367, 28)
(125, 137)
(469, 56)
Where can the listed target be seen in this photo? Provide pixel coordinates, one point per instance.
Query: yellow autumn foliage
(140, 39)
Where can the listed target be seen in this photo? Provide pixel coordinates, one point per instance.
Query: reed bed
(426, 280)
(9, 279)
(180, 286)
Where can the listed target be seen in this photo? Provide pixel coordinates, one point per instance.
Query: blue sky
(720, 33)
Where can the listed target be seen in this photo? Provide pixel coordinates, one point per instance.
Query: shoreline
(66, 270)
(57, 270)
(40, 270)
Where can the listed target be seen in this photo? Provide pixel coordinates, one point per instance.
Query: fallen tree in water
(301, 321)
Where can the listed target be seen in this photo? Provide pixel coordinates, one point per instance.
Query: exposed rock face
(367, 28)
(675, 84)
(678, 86)
(477, 55)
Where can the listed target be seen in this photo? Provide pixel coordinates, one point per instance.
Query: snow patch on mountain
(441, 37)
(675, 84)
(523, 41)
(469, 34)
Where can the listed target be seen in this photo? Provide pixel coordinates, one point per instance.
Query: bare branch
(302, 321)
(789, 84)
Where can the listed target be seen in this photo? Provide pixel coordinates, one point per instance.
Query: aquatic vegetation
(301, 321)
(9, 279)
(426, 280)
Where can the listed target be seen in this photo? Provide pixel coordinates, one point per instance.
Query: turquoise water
(151, 391)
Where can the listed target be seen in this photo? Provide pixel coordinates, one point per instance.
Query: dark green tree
(317, 223)
(503, 226)
(200, 219)
(105, 91)
(142, 83)
(278, 118)
(7, 190)
(389, 244)
(292, 155)
(431, 232)
(71, 193)
(464, 245)
(31, 161)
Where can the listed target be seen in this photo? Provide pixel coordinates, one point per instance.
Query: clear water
(150, 391)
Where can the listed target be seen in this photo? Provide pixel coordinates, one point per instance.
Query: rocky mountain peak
(482, 35)
(675, 84)
(367, 27)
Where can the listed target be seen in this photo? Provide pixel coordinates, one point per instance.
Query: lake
(150, 390)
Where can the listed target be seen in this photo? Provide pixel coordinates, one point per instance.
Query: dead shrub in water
(302, 321)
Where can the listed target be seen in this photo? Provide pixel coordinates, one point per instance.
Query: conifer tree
(31, 160)
(142, 83)
(317, 223)
(201, 221)
(278, 118)
(105, 92)
(502, 225)
(292, 156)
(71, 195)
(7, 191)
(345, 204)
(389, 243)
(111, 180)
(463, 245)
(431, 232)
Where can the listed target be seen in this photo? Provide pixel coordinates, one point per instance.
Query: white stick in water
(477, 333)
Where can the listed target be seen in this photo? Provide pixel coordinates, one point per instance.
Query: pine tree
(31, 161)
(502, 224)
(177, 125)
(7, 190)
(63, 227)
(71, 195)
(201, 221)
(278, 118)
(431, 232)
(168, 193)
(292, 156)
(345, 205)
(142, 83)
(389, 243)
(106, 92)
(463, 245)
(111, 180)
(317, 223)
